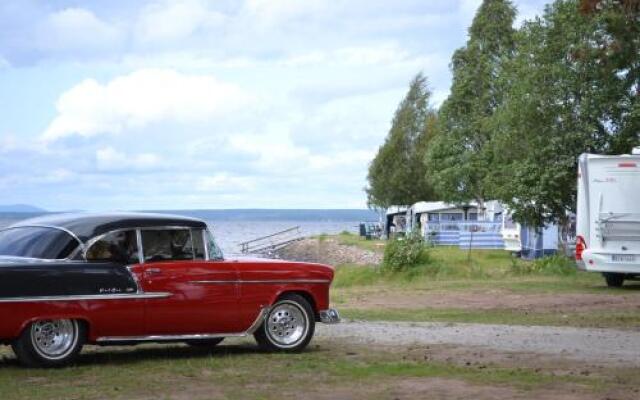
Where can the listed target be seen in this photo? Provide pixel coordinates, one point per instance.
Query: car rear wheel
(614, 279)
(289, 326)
(50, 343)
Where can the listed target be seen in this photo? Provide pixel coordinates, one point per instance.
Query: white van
(608, 216)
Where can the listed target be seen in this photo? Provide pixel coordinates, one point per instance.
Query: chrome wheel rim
(54, 339)
(287, 324)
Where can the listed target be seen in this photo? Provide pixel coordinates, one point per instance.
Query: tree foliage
(397, 174)
(524, 104)
(460, 160)
(572, 88)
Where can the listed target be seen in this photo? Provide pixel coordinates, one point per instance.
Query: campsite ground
(496, 328)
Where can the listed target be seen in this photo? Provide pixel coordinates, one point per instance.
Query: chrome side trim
(264, 312)
(165, 338)
(206, 245)
(199, 336)
(266, 281)
(116, 296)
(140, 249)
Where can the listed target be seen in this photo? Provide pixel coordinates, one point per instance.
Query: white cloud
(4, 63)
(175, 20)
(109, 159)
(140, 98)
(77, 29)
(381, 54)
(268, 13)
(58, 175)
(224, 182)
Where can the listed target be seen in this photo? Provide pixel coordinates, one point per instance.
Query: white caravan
(511, 233)
(608, 216)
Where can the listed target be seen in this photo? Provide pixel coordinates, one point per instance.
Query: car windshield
(215, 252)
(37, 242)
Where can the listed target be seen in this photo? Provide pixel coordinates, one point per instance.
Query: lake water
(232, 227)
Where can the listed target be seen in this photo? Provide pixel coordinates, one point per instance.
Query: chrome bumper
(329, 316)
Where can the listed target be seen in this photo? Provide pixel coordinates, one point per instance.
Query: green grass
(609, 319)
(350, 239)
(242, 372)
(450, 268)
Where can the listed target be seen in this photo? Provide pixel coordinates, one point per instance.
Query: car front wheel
(289, 326)
(50, 343)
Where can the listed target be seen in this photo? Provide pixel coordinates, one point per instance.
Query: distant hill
(20, 208)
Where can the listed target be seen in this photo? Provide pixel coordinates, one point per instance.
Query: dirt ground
(236, 370)
(494, 299)
(593, 345)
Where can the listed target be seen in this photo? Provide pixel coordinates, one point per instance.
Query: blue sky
(210, 104)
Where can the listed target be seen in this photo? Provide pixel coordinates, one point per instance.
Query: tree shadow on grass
(628, 287)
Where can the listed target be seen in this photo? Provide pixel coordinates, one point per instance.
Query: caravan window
(451, 216)
(509, 222)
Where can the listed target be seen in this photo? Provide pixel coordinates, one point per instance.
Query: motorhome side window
(121, 247)
(172, 245)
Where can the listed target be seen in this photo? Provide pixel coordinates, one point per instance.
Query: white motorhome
(608, 216)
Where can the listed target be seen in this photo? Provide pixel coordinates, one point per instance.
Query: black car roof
(88, 225)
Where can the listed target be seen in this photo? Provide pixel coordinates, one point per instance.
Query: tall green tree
(572, 88)
(460, 160)
(397, 175)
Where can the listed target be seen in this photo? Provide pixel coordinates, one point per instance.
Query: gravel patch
(584, 344)
(328, 251)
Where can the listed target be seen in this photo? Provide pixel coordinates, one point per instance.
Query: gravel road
(586, 344)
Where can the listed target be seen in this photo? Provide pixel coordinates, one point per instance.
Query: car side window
(120, 246)
(172, 245)
(199, 252)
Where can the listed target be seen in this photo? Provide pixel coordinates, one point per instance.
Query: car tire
(205, 342)
(613, 279)
(289, 326)
(50, 343)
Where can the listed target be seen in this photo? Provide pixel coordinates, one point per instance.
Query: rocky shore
(328, 250)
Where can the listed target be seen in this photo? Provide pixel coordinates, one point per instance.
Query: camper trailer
(529, 242)
(608, 216)
(511, 231)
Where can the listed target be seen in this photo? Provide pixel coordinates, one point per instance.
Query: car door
(203, 293)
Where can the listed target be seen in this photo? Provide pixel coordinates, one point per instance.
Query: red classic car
(72, 279)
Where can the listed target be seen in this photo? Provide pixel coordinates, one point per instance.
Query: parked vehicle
(511, 231)
(608, 216)
(75, 279)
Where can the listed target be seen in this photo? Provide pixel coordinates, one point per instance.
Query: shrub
(405, 254)
(556, 265)
(551, 265)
